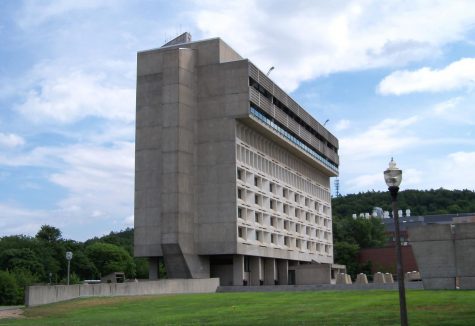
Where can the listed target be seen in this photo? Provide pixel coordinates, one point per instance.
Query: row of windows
(275, 152)
(252, 236)
(261, 116)
(279, 224)
(289, 112)
(261, 163)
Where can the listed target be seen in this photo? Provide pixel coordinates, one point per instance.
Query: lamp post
(393, 177)
(69, 256)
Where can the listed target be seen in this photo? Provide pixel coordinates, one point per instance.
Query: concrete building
(232, 176)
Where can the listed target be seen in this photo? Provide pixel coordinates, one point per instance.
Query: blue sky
(394, 78)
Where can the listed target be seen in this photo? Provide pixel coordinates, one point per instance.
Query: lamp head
(393, 175)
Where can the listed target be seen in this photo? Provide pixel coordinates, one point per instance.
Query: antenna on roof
(270, 70)
(326, 122)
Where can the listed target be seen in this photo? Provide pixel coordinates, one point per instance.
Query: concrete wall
(40, 295)
(307, 274)
(445, 255)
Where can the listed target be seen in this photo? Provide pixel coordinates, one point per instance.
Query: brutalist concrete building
(232, 176)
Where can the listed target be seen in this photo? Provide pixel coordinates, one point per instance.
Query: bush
(8, 289)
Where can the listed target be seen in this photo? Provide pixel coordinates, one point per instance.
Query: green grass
(279, 308)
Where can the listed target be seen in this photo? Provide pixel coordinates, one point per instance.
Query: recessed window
(286, 225)
(240, 232)
(240, 212)
(239, 174)
(258, 235)
(272, 238)
(271, 187)
(296, 197)
(285, 208)
(239, 194)
(285, 192)
(286, 241)
(271, 204)
(256, 181)
(272, 221)
(256, 199)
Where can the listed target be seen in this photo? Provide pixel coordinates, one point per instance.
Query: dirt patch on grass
(11, 313)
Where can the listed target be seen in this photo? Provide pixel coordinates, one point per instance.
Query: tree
(109, 258)
(8, 289)
(49, 233)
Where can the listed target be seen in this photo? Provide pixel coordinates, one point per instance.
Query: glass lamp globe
(393, 175)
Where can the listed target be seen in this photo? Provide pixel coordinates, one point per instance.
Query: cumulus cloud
(327, 37)
(10, 140)
(457, 75)
(386, 138)
(74, 95)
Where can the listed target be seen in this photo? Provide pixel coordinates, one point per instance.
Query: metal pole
(69, 263)
(400, 275)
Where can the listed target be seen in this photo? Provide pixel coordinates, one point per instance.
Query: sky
(394, 79)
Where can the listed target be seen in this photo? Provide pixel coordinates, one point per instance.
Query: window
(271, 204)
(258, 235)
(256, 199)
(307, 216)
(286, 241)
(240, 212)
(285, 192)
(239, 174)
(247, 265)
(286, 208)
(271, 187)
(239, 194)
(272, 221)
(296, 197)
(286, 225)
(257, 217)
(297, 243)
(256, 181)
(240, 232)
(308, 245)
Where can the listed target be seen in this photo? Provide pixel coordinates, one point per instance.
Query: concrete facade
(232, 177)
(445, 255)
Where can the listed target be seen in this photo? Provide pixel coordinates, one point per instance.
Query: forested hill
(420, 202)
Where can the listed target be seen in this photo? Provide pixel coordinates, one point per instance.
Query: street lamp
(69, 256)
(393, 177)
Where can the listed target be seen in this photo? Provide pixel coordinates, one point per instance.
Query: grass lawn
(279, 308)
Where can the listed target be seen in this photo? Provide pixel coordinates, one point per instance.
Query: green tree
(8, 289)
(110, 258)
(49, 233)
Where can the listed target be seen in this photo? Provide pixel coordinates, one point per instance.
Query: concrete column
(256, 270)
(153, 268)
(283, 271)
(238, 269)
(270, 271)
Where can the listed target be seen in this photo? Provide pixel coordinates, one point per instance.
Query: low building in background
(232, 176)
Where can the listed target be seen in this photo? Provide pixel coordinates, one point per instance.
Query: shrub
(8, 289)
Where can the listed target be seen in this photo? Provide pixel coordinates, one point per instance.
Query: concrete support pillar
(256, 270)
(153, 268)
(283, 271)
(238, 269)
(270, 271)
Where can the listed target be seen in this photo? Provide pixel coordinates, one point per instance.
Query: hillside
(420, 202)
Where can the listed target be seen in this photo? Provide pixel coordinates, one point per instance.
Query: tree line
(28, 260)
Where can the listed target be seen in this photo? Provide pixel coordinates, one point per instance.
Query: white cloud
(74, 95)
(453, 172)
(342, 125)
(326, 37)
(388, 137)
(446, 106)
(18, 220)
(11, 140)
(35, 13)
(459, 74)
